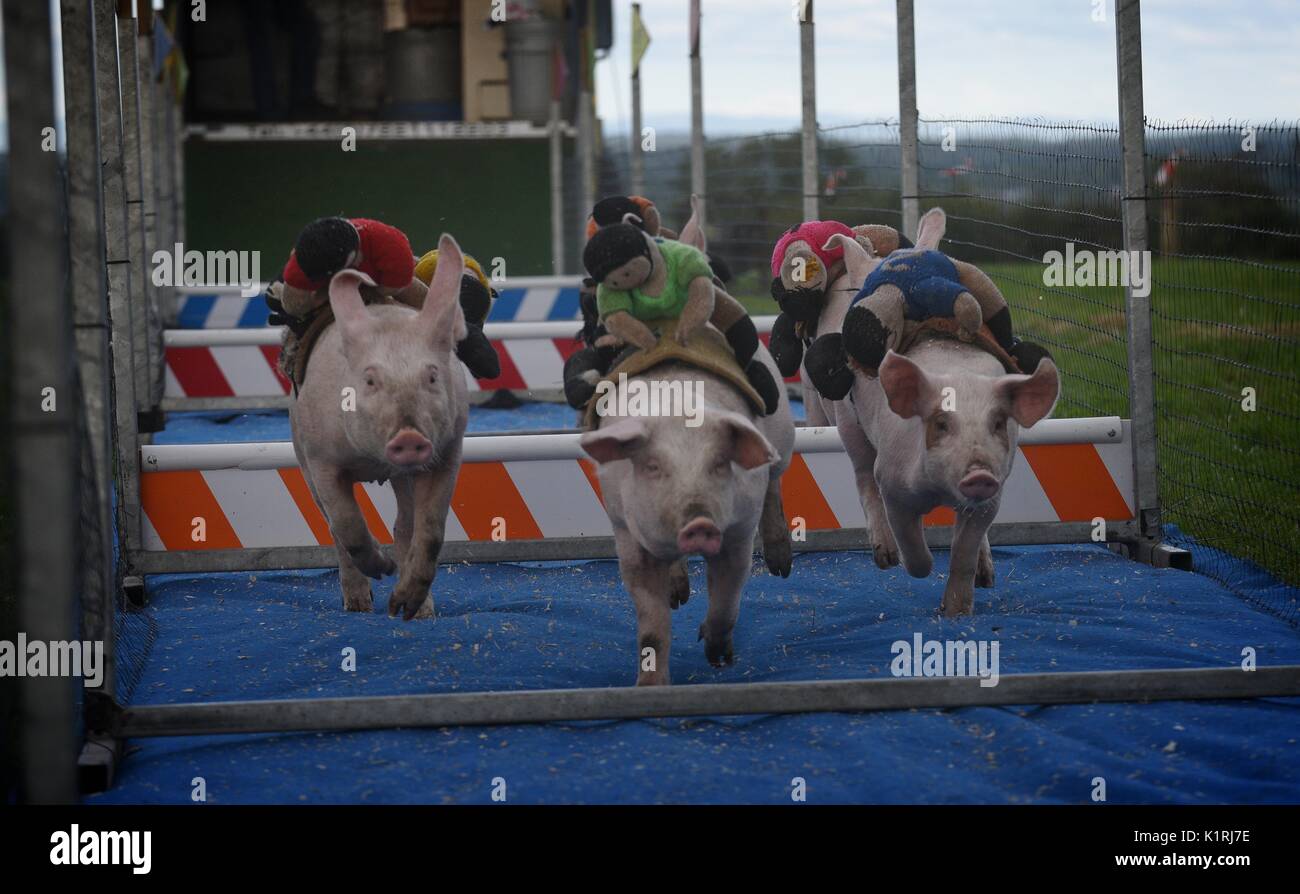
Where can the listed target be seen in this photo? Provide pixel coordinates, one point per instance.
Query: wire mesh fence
(1224, 279)
(1225, 229)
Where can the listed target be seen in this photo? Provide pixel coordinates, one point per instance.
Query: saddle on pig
(386, 400)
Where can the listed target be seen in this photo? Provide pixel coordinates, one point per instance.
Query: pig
(385, 399)
(672, 489)
(915, 446)
(939, 427)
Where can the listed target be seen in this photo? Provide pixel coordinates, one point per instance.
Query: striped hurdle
(519, 298)
(518, 493)
(236, 368)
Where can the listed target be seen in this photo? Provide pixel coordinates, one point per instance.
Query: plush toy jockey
(586, 366)
(615, 209)
(382, 252)
(805, 261)
(476, 296)
(642, 279)
(913, 285)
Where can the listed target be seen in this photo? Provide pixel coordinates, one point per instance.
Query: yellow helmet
(429, 262)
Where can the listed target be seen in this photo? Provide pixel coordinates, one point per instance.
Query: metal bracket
(133, 591)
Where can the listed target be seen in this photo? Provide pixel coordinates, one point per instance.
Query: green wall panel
(492, 195)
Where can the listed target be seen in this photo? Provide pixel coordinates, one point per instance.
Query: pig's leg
(646, 578)
(909, 534)
(357, 595)
(679, 584)
(334, 490)
(968, 542)
(984, 576)
(775, 531)
(813, 410)
(404, 491)
(863, 457)
(728, 571)
(431, 497)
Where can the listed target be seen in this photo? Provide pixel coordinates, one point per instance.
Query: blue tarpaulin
(561, 625)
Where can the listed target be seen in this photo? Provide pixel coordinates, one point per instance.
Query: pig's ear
(1032, 398)
(858, 262)
(929, 232)
(613, 442)
(749, 449)
(441, 312)
(345, 300)
(692, 234)
(906, 386)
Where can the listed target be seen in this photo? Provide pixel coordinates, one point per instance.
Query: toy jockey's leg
(873, 326)
(474, 350)
(785, 345)
(729, 315)
(477, 353)
(828, 366)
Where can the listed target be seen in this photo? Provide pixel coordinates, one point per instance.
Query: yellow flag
(640, 38)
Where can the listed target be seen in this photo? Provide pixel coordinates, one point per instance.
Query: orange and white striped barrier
(227, 363)
(540, 486)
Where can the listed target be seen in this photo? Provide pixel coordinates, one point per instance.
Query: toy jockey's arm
(300, 302)
(698, 307)
(631, 330)
(412, 294)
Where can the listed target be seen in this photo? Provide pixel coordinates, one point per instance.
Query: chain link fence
(1224, 219)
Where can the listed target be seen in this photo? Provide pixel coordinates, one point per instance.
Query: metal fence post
(1141, 373)
(42, 402)
(555, 144)
(142, 324)
(150, 173)
(90, 306)
(808, 80)
(118, 260)
(907, 119)
(697, 117)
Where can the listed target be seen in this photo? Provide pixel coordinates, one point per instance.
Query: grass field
(1229, 476)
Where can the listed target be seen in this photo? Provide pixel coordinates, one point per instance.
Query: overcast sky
(1220, 59)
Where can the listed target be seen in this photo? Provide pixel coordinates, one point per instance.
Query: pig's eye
(652, 468)
(371, 379)
(433, 375)
(941, 425)
(722, 466)
(1000, 424)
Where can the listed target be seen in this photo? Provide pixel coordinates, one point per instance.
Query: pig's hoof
(886, 555)
(410, 606)
(984, 576)
(680, 586)
(779, 557)
(363, 603)
(720, 653)
(655, 679)
(956, 604)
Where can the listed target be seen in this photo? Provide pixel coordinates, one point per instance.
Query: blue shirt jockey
(927, 279)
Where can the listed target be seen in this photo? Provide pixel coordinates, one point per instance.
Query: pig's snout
(700, 536)
(409, 448)
(979, 484)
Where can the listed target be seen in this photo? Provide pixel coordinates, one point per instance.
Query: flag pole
(637, 157)
(697, 116)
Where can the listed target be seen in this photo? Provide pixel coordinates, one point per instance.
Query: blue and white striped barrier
(521, 299)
